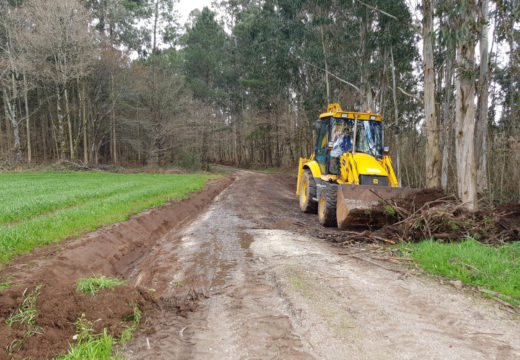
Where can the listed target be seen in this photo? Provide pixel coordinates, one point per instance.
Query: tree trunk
(27, 122)
(156, 19)
(83, 101)
(365, 86)
(465, 126)
(69, 124)
(396, 117)
(14, 124)
(483, 89)
(61, 129)
(433, 156)
(326, 64)
(113, 122)
(447, 110)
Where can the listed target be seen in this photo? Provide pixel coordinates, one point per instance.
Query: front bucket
(357, 204)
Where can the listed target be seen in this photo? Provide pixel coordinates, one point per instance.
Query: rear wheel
(327, 207)
(308, 193)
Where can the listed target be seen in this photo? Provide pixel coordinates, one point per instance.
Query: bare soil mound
(112, 251)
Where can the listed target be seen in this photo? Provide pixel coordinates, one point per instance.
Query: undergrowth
(492, 268)
(95, 284)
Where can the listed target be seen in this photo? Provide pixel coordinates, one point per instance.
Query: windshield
(369, 138)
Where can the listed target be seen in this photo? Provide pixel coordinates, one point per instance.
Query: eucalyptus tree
(433, 155)
(464, 14)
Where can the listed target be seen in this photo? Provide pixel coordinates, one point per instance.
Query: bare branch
(411, 95)
(377, 9)
(331, 74)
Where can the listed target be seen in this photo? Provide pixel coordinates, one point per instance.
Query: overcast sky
(186, 6)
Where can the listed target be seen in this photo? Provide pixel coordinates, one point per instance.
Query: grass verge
(39, 208)
(492, 268)
(94, 284)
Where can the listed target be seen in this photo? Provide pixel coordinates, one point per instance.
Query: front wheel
(327, 207)
(308, 193)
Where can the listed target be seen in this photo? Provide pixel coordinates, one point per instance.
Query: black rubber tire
(308, 193)
(327, 207)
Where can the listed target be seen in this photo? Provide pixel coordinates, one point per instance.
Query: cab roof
(335, 110)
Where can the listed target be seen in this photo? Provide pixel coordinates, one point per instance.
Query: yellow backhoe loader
(349, 172)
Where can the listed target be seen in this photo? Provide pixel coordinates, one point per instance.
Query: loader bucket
(357, 204)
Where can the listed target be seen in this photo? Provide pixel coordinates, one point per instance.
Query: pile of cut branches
(431, 214)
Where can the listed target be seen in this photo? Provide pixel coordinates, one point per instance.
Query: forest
(123, 83)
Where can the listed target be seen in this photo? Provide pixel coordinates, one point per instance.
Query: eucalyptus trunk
(465, 126)
(433, 154)
(483, 87)
(396, 116)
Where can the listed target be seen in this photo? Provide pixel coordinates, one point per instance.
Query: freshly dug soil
(112, 251)
(58, 309)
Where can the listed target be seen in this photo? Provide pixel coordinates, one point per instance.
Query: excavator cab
(349, 172)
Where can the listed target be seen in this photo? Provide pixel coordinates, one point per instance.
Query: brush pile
(430, 214)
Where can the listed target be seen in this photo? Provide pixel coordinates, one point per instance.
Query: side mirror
(386, 150)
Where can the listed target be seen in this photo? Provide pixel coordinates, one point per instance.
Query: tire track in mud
(268, 288)
(238, 316)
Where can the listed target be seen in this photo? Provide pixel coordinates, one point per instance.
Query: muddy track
(272, 288)
(253, 278)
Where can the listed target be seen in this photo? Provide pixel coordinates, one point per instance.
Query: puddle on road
(246, 240)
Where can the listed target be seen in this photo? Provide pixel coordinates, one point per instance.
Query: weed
(390, 210)
(84, 328)
(13, 346)
(135, 318)
(4, 284)
(453, 225)
(344, 325)
(94, 284)
(97, 347)
(297, 284)
(179, 284)
(26, 313)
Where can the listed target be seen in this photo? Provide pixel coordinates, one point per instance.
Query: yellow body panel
(335, 110)
(310, 164)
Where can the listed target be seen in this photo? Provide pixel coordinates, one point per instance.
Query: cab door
(322, 144)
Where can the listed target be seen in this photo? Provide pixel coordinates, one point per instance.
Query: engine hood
(369, 165)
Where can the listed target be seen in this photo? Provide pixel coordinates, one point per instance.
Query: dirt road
(264, 286)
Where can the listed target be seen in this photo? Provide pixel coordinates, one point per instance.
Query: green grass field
(43, 207)
(492, 268)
